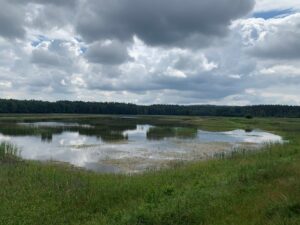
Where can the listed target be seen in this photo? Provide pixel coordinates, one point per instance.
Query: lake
(124, 147)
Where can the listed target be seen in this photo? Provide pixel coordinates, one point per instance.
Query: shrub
(249, 117)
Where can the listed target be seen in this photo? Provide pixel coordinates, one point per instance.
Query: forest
(79, 107)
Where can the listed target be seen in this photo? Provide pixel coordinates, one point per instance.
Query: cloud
(157, 22)
(55, 53)
(170, 51)
(45, 58)
(11, 21)
(49, 16)
(279, 37)
(17, 17)
(270, 5)
(66, 3)
(188, 72)
(108, 52)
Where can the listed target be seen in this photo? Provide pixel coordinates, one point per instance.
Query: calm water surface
(133, 150)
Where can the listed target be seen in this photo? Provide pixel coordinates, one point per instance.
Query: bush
(249, 117)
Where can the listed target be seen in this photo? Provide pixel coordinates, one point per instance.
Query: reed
(8, 153)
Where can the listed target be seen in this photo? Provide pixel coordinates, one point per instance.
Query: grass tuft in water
(8, 153)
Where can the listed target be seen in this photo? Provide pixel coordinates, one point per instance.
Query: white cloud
(5, 84)
(282, 70)
(277, 38)
(268, 5)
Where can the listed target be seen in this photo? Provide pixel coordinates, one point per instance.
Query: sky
(223, 52)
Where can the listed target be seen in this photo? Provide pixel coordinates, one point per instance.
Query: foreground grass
(246, 188)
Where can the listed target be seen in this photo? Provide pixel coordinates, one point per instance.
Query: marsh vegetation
(122, 144)
(244, 187)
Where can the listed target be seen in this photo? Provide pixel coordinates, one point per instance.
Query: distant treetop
(79, 107)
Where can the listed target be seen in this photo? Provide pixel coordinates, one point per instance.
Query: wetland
(125, 144)
(121, 189)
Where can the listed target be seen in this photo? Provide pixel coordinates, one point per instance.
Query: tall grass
(8, 152)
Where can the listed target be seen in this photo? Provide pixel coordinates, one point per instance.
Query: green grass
(246, 188)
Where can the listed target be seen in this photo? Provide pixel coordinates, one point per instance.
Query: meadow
(244, 188)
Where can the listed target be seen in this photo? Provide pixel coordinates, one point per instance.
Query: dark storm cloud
(205, 85)
(11, 21)
(160, 22)
(67, 3)
(110, 53)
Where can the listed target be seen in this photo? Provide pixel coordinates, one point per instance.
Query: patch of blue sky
(83, 50)
(273, 14)
(39, 39)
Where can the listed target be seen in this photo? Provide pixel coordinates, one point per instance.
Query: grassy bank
(258, 188)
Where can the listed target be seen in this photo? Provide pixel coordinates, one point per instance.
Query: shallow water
(133, 150)
(55, 124)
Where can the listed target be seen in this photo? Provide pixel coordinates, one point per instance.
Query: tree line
(80, 107)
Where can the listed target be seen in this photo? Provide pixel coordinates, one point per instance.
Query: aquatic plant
(8, 153)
